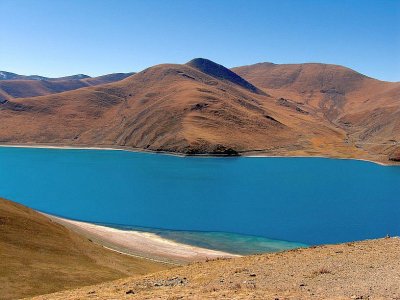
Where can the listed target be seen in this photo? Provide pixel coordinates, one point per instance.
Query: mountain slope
(203, 108)
(220, 72)
(13, 76)
(167, 107)
(19, 86)
(368, 110)
(332, 89)
(360, 270)
(39, 256)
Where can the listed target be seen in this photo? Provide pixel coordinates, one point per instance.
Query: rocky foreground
(360, 270)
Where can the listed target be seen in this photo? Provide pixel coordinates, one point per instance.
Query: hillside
(13, 76)
(360, 270)
(203, 108)
(39, 256)
(20, 86)
(174, 108)
(368, 110)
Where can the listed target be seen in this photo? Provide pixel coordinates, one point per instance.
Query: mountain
(220, 72)
(39, 256)
(19, 86)
(332, 89)
(203, 108)
(359, 270)
(12, 76)
(368, 110)
(92, 81)
(8, 76)
(168, 107)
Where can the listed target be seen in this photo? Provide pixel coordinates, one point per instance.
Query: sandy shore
(319, 156)
(249, 153)
(141, 244)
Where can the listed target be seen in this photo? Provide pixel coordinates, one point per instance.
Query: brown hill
(368, 110)
(362, 270)
(13, 76)
(174, 108)
(32, 86)
(204, 108)
(39, 256)
(92, 81)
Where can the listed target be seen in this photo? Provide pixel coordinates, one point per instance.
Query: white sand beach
(141, 244)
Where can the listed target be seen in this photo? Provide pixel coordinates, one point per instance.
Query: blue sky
(56, 37)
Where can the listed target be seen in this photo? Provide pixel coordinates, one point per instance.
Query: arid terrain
(366, 109)
(198, 108)
(20, 86)
(204, 108)
(360, 270)
(39, 256)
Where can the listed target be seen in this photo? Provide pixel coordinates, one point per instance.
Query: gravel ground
(360, 270)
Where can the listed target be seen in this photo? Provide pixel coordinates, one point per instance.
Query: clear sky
(94, 37)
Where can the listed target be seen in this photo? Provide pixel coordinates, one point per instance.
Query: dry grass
(180, 109)
(367, 270)
(39, 256)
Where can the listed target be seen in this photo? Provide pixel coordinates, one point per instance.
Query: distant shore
(141, 244)
(249, 153)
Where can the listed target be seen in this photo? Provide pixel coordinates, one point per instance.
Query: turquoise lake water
(243, 204)
(223, 241)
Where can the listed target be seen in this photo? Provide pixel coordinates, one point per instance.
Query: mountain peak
(71, 77)
(7, 75)
(220, 72)
(13, 76)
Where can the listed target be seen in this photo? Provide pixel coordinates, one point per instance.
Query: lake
(203, 200)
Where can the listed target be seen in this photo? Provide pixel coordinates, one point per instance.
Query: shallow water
(307, 200)
(224, 241)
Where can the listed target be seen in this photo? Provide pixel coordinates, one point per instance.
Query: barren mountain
(204, 108)
(13, 76)
(20, 86)
(39, 256)
(368, 110)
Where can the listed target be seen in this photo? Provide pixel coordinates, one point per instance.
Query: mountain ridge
(4, 75)
(267, 63)
(220, 72)
(201, 108)
(20, 86)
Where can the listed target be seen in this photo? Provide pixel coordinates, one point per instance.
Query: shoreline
(140, 244)
(177, 154)
(325, 157)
